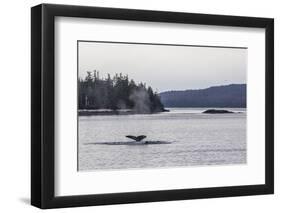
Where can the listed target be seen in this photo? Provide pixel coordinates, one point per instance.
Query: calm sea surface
(196, 139)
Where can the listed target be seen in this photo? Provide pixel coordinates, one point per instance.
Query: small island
(217, 111)
(116, 95)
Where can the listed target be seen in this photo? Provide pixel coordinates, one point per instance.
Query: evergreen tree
(116, 93)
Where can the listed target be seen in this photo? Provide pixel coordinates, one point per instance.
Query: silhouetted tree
(116, 93)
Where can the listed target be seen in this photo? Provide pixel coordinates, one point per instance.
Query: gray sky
(165, 67)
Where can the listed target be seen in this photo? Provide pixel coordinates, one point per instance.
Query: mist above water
(141, 101)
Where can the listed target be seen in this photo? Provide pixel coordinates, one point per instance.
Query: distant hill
(233, 95)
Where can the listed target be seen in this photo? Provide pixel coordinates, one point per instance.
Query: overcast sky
(165, 67)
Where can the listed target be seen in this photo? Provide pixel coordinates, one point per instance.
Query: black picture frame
(43, 102)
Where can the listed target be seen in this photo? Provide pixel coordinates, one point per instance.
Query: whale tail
(136, 138)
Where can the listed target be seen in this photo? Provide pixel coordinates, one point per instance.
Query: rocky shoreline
(217, 111)
(90, 112)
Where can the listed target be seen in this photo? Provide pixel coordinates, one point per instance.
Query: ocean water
(193, 139)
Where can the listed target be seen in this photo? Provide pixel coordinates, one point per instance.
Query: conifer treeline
(117, 93)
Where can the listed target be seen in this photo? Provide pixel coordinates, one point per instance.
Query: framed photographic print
(139, 106)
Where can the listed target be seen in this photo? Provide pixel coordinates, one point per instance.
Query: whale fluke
(136, 138)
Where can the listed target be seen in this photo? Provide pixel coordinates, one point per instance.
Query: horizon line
(222, 85)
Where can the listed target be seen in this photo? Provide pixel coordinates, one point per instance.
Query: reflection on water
(190, 139)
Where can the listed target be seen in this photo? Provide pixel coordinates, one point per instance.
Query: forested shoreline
(232, 96)
(116, 93)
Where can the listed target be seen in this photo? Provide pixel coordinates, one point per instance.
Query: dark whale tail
(136, 138)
